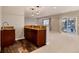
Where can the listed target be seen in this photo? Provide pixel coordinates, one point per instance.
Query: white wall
(0, 12)
(56, 19)
(33, 21)
(15, 17)
(0, 17)
(0, 28)
(55, 27)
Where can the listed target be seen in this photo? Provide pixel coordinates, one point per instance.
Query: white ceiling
(48, 10)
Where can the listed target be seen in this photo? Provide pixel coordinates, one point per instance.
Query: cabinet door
(28, 34)
(41, 37)
(4, 38)
(7, 37)
(34, 36)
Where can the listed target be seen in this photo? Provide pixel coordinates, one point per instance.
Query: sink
(7, 27)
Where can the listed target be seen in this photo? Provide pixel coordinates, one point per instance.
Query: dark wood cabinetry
(7, 37)
(37, 37)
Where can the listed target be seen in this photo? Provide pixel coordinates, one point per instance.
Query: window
(69, 24)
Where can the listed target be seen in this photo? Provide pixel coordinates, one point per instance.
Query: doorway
(46, 23)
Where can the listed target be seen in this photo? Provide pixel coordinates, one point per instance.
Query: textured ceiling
(43, 10)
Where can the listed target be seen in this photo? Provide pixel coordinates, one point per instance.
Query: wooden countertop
(36, 27)
(7, 28)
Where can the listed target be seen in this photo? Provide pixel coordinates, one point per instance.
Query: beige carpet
(60, 43)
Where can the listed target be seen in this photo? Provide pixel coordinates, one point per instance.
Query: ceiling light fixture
(54, 7)
(37, 13)
(32, 14)
(37, 6)
(32, 8)
(35, 10)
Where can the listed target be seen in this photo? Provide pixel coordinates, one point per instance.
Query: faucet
(4, 24)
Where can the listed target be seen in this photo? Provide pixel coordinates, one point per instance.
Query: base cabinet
(7, 37)
(37, 37)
